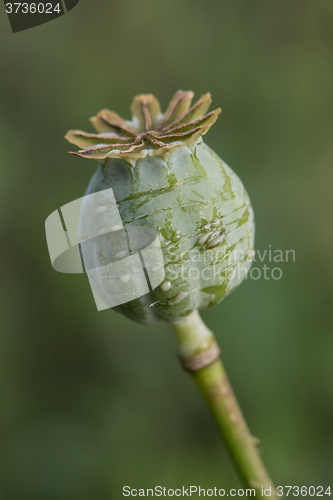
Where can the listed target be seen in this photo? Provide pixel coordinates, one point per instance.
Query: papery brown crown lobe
(150, 132)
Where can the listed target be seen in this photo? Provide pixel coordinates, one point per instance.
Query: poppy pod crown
(150, 132)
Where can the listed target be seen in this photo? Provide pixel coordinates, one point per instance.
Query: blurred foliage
(90, 401)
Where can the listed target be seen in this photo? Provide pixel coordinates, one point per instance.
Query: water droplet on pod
(124, 278)
(181, 296)
(98, 211)
(204, 238)
(116, 227)
(216, 241)
(216, 222)
(121, 254)
(178, 298)
(165, 286)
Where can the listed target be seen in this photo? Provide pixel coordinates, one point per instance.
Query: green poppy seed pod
(163, 176)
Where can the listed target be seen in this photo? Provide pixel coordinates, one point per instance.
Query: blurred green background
(90, 401)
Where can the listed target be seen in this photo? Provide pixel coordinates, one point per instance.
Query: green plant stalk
(193, 338)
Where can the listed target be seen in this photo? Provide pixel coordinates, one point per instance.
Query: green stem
(193, 338)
